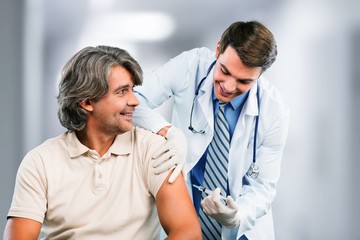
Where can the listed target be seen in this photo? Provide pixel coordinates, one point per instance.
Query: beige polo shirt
(77, 194)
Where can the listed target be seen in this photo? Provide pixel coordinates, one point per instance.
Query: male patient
(96, 180)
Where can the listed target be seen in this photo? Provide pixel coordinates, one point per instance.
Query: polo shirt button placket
(100, 185)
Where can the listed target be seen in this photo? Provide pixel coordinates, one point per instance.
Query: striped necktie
(215, 174)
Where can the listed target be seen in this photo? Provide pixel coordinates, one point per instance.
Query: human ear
(86, 104)
(217, 52)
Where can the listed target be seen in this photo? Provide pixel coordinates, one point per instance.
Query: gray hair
(85, 76)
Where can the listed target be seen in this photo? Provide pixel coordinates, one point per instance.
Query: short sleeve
(29, 199)
(151, 144)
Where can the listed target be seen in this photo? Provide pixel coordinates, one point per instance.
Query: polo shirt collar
(120, 146)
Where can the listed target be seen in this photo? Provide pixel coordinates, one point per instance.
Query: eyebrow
(238, 79)
(123, 87)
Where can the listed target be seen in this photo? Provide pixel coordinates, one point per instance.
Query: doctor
(257, 123)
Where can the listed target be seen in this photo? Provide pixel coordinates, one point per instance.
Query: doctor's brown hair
(253, 42)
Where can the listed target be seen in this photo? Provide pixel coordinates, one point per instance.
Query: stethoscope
(253, 171)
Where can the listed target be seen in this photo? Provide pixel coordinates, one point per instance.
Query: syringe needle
(207, 191)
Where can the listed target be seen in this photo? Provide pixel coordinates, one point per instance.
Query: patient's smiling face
(112, 113)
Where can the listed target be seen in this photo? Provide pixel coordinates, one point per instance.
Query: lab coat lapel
(206, 104)
(202, 119)
(239, 161)
(249, 111)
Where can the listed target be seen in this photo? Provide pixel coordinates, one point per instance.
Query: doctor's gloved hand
(172, 154)
(227, 215)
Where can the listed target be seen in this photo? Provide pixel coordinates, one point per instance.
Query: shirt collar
(121, 145)
(235, 102)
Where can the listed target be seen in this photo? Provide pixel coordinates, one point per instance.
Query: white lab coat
(179, 78)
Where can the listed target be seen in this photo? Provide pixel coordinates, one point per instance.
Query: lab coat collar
(249, 111)
(251, 105)
(208, 84)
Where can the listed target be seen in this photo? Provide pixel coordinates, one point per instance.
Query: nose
(229, 85)
(133, 101)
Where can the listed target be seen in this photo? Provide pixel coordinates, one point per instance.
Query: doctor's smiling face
(231, 77)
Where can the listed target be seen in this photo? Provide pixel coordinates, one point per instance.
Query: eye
(223, 70)
(121, 91)
(245, 82)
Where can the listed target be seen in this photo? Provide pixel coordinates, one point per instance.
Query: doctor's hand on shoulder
(172, 154)
(227, 215)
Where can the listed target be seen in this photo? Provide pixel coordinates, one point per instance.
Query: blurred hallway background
(317, 71)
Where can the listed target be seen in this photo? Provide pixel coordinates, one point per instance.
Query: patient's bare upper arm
(22, 229)
(176, 211)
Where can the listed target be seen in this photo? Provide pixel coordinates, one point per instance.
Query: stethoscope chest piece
(253, 171)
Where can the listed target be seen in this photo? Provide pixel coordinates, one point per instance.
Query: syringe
(207, 191)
